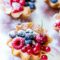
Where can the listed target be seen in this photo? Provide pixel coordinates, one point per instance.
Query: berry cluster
(30, 42)
(18, 5)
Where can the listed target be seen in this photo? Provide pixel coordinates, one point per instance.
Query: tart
(53, 3)
(19, 9)
(29, 42)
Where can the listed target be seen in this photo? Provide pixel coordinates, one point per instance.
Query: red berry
(41, 39)
(18, 43)
(36, 50)
(22, 2)
(29, 51)
(37, 45)
(44, 57)
(43, 48)
(23, 49)
(47, 49)
(38, 38)
(45, 39)
(28, 46)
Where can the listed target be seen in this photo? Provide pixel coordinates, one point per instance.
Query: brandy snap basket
(29, 42)
(19, 9)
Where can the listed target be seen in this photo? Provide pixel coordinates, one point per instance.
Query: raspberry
(18, 43)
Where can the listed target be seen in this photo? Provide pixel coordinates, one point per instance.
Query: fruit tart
(21, 9)
(29, 42)
(53, 3)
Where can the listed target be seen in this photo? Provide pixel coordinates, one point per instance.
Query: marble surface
(42, 14)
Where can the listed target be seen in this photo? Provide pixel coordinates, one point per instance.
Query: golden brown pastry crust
(21, 15)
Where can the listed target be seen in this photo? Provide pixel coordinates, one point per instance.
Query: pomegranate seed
(44, 57)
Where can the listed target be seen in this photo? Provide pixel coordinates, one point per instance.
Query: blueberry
(26, 4)
(21, 33)
(32, 0)
(28, 41)
(27, 0)
(32, 5)
(32, 37)
(54, 1)
(27, 36)
(12, 34)
(29, 31)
